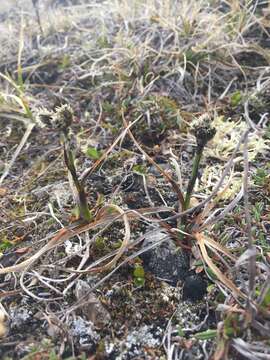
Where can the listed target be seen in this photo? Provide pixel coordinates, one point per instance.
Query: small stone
(93, 308)
(165, 261)
(194, 288)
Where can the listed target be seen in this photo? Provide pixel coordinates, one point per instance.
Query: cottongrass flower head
(43, 117)
(59, 119)
(203, 130)
(62, 117)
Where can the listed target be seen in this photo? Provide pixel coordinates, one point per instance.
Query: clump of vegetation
(124, 80)
(203, 132)
(60, 120)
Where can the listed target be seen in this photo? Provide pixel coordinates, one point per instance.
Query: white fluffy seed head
(60, 119)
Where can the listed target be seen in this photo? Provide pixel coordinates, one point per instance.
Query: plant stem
(194, 175)
(80, 195)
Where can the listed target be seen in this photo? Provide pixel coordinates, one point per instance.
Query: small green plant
(257, 211)
(100, 245)
(60, 120)
(195, 57)
(64, 62)
(139, 169)
(261, 177)
(5, 244)
(203, 132)
(236, 98)
(43, 351)
(139, 275)
(231, 326)
(180, 331)
(93, 153)
(266, 300)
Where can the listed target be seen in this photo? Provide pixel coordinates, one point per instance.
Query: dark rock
(194, 288)
(165, 261)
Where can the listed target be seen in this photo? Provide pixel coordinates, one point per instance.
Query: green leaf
(139, 169)
(5, 244)
(139, 272)
(64, 62)
(260, 178)
(180, 331)
(139, 281)
(229, 332)
(211, 273)
(93, 153)
(266, 299)
(210, 287)
(138, 275)
(236, 98)
(205, 335)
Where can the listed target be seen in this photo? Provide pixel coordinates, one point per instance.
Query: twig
(36, 7)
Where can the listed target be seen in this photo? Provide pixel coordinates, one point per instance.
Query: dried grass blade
(124, 244)
(221, 277)
(24, 139)
(217, 246)
(173, 183)
(66, 233)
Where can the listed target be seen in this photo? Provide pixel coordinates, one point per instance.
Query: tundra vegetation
(134, 179)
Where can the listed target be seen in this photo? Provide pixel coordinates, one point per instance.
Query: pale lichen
(227, 137)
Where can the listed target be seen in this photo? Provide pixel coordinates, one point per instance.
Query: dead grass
(130, 69)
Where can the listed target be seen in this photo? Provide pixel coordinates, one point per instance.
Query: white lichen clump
(221, 148)
(227, 137)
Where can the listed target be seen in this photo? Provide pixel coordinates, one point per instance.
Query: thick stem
(194, 175)
(190, 187)
(81, 198)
